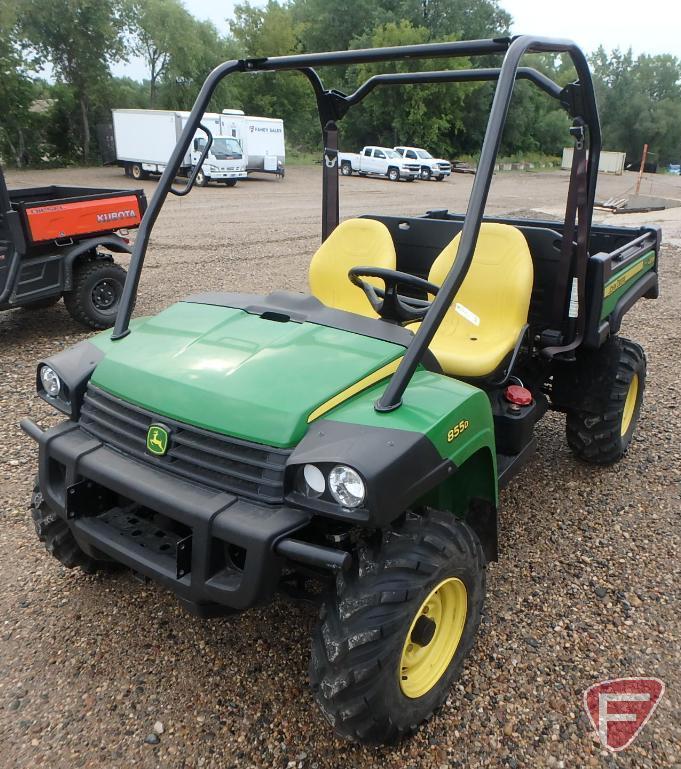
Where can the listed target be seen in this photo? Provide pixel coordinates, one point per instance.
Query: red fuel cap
(521, 396)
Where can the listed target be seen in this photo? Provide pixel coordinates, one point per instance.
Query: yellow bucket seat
(354, 243)
(488, 313)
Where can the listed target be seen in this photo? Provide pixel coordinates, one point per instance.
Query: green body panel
(623, 280)
(434, 405)
(235, 373)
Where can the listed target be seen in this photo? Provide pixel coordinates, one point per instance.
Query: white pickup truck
(430, 167)
(380, 161)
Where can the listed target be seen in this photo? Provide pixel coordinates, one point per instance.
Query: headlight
(313, 481)
(346, 486)
(50, 381)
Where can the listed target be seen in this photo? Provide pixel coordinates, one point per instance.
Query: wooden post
(642, 169)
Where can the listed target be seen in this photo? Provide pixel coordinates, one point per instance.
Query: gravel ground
(106, 672)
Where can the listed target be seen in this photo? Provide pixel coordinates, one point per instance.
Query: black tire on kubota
(617, 372)
(53, 532)
(394, 635)
(96, 293)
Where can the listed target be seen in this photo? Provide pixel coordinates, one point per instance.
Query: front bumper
(98, 491)
(226, 174)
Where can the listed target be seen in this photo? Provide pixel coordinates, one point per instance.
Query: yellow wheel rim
(433, 638)
(629, 405)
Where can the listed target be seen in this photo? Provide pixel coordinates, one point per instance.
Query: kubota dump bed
(58, 213)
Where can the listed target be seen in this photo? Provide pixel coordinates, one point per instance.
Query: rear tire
(53, 532)
(603, 438)
(346, 169)
(361, 671)
(137, 172)
(96, 294)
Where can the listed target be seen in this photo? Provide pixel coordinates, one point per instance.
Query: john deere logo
(157, 440)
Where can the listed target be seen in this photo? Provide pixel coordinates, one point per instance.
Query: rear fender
(112, 242)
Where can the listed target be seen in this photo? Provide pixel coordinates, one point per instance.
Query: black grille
(249, 469)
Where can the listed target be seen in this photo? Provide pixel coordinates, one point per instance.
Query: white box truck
(261, 137)
(145, 139)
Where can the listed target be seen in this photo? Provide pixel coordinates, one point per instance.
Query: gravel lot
(587, 586)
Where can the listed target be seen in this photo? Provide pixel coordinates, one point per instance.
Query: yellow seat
(354, 243)
(490, 309)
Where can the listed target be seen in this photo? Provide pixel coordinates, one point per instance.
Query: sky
(646, 27)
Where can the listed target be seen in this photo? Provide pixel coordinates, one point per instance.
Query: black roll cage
(577, 98)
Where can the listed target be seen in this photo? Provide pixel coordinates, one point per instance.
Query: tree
(162, 30)
(640, 103)
(426, 115)
(17, 90)
(273, 31)
(79, 38)
(458, 19)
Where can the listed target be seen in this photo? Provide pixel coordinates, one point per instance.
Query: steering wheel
(389, 304)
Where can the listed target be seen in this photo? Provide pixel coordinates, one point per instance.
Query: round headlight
(347, 486)
(50, 380)
(314, 480)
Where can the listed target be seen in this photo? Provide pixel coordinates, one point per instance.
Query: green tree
(161, 30)
(428, 115)
(457, 19)
(273, 31)
(79, 38)
(640, 103)
(17, 92)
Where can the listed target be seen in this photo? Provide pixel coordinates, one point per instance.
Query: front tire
(201, 179)
(620, 374)
(426, 174)
(53, 532)
(395, 635)
(230, 182)
(394, 174)
(96, 294)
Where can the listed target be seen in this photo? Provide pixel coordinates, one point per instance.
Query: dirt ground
(587, 586)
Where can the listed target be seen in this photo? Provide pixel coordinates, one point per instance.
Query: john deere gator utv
(235, 445)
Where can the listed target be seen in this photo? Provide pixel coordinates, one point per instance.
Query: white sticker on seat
(464, 312)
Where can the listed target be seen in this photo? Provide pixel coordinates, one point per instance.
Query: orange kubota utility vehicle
(58, 241)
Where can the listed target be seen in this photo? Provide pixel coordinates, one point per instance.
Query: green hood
(235, 373)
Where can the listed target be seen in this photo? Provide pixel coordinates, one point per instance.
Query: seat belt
(574, 280)
(330, 209)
